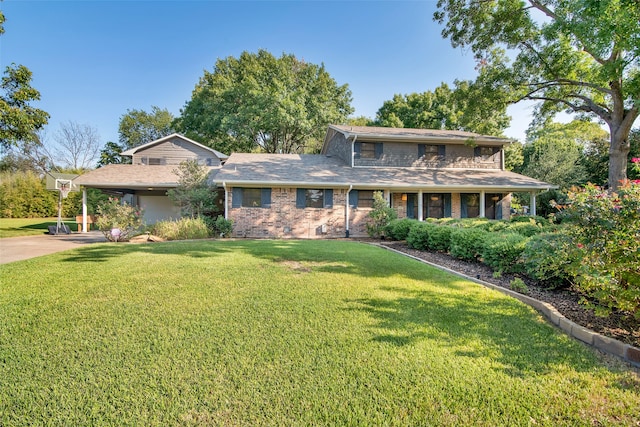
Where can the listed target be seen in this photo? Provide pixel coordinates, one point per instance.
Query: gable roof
(372, 133)
(134, 177)
(134, 150)
(319, 171)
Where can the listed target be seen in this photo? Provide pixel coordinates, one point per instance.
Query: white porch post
(226, 201)
(84, 209)
(533, 203)
(387, 196)
(482, 207)
(420, 218)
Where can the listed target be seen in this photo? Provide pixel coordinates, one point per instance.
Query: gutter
(347, 208)
(226, 200)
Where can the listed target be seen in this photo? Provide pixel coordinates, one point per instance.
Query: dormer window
(368, 150)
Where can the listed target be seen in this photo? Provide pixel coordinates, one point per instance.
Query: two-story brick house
(422, 173)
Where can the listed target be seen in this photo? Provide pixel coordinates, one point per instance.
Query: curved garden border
(608, 345)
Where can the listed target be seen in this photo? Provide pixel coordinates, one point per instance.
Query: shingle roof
(134, 176)
(319, 170)
(373, 132)
(134, 150)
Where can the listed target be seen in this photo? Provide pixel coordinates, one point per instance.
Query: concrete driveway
(19, 248)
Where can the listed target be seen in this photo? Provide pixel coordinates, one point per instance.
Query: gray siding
(339, 147)
(402, 154)
(175, 151)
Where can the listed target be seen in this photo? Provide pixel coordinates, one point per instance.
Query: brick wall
(284, 220)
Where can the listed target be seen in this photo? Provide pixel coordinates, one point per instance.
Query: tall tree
(555, 152)
(258, 101)
(78, 146)
(444, 108)
(110, 154)
(138, 127)
(19, 120)
(581, 56)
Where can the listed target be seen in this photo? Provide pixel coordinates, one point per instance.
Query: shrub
(467, 243)
(503, 251)
(419, 234)
(117, 221)
(223, 227)
(23, 195)
(547, 258)
(182, 229)
(380, 216)
(605, 228)
(518, 285)
(439, 238)
(398, 229)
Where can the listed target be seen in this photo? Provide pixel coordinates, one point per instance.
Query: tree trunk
(618, 153)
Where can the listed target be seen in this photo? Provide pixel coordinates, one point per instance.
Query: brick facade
(284, 220)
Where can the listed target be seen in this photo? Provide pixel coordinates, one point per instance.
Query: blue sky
(93, 60)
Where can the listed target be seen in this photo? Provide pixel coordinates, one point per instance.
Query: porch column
(482, 207)
(387, 196)
(84, 209)
(420, 217)
(226, 201)
(532, 209)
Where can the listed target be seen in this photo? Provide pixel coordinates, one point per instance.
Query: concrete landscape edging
(626, 352)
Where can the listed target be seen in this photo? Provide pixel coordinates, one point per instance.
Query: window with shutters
(314, 198)
(368, 150)
(365, 198)
(251, 197)
(431, 152)
(486, 154)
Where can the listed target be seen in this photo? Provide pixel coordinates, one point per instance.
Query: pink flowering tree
(605, 231)
(118, 221)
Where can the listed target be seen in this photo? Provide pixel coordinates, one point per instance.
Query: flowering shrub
(605, 231)
(117, 221)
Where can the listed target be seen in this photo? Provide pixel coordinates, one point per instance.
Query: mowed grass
(284, 333)
(15, 227)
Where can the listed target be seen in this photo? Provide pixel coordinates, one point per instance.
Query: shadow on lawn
(108, 251)
(500, 329)
(337, 256)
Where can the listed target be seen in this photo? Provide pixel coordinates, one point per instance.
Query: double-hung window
(368, 150)
(314, 198)
(251, 197)
(431, 152)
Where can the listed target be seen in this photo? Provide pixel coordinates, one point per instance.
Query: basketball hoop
(64, 187)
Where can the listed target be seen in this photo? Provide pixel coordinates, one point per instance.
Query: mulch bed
(618, 326)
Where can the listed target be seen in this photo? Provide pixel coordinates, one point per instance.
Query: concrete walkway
(19, 248)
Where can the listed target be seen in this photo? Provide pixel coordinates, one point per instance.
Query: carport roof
(134, 177)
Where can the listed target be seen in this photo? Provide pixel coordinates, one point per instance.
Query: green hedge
(467, 243)
(398, 229)
(503, 251)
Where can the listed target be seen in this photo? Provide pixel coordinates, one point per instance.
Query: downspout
(353, 153)
(226, 200)
(347, 211)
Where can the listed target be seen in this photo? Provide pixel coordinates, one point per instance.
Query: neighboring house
(422, 173)
(146, 181)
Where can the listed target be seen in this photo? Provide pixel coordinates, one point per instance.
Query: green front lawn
(15, 227)
(284, 333)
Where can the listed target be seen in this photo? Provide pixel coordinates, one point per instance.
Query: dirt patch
(618, 326)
